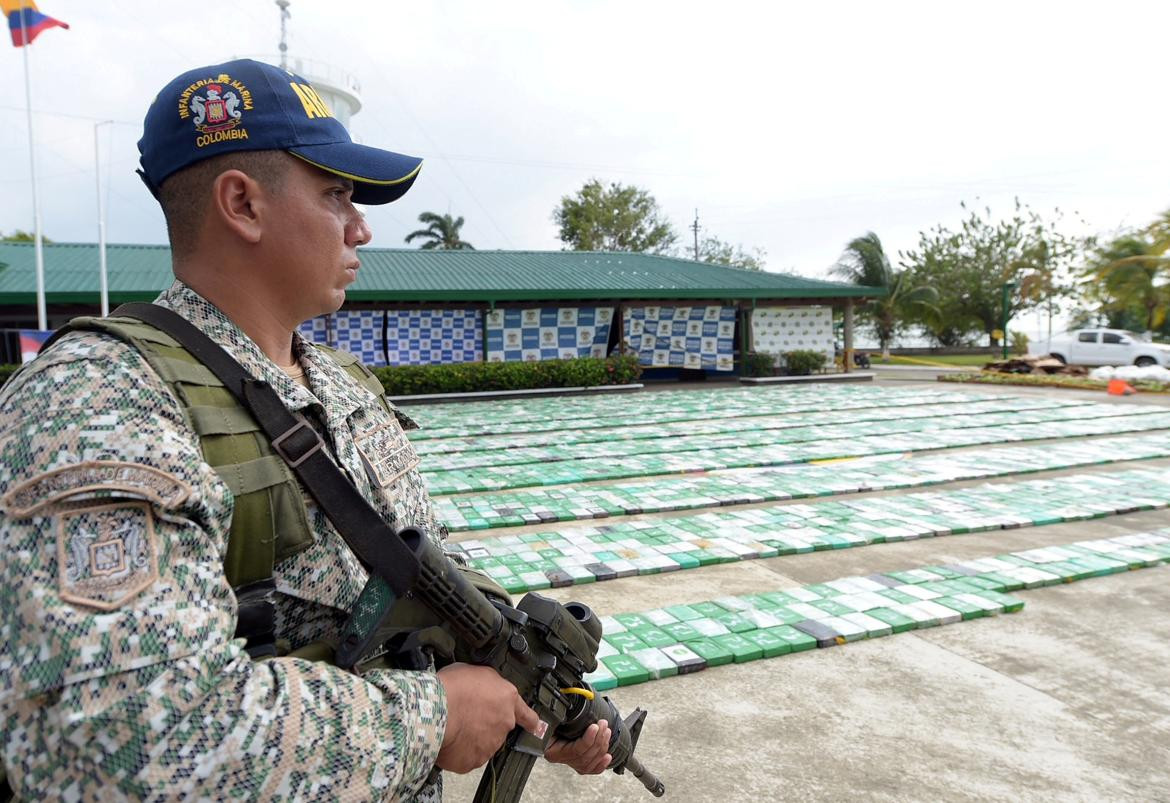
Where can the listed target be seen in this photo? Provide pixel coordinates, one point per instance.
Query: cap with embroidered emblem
(246, 105)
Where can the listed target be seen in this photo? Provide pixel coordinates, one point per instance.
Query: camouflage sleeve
(120, 675)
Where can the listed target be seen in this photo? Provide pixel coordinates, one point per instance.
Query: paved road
(1065, 700)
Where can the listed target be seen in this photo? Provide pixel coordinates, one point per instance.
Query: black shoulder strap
(374, 541)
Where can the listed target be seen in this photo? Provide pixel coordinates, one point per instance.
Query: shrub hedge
(409, 380)
(6, 371)
(803, 362)
(755, 364)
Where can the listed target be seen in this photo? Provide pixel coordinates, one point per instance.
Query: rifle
(540, 646)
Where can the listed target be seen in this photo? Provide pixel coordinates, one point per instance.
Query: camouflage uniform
(120, 675)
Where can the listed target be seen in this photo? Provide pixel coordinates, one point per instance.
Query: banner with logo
(413, 336)
(682, 337)
(433, 336)
(776, 330)
(357, 331)
(547, 333)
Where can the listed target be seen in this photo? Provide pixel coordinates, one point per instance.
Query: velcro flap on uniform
(141, 331)
(191, 373)
(373, 384)
(211, 420)
(339, 356)
(254, 475)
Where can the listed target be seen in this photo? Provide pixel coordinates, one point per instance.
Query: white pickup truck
(1105, 347)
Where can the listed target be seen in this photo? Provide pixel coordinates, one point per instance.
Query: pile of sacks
(1031, 364)
(1131, 373)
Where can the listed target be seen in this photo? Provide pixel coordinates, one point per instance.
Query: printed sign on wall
(357, 331)
(547, 333)
(682, 337)
(428, 337)
(776, 330)
(413, 337)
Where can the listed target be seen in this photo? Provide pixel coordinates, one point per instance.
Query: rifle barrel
(648, 779)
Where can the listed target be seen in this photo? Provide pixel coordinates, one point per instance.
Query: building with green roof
(401, 279)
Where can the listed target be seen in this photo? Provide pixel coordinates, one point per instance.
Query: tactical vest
(269, 521)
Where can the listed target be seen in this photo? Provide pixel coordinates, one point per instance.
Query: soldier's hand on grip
(482, 709)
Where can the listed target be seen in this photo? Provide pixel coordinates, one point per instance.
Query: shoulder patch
(95, 477)
(106, 554)
(387, 452)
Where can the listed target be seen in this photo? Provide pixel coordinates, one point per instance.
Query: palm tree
(441, 232)
(1130, 271)
(865, 263)
(1159, 233)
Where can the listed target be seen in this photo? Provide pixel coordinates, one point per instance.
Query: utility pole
(284, 15)
(695, 229)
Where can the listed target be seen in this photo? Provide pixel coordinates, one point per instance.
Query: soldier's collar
(340, 395)
(215, 324)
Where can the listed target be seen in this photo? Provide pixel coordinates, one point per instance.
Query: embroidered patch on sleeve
(95, 478)
(106, 554)
(388, 453)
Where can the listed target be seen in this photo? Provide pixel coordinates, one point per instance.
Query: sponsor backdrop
(547, 333)
(357, 331)
(430, 336)
(776, 330)
(414, 336)
(682, 337)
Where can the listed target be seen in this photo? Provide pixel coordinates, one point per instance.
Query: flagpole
(42, 318)
(101, 206)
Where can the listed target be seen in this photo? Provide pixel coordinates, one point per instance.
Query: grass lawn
(976, 360)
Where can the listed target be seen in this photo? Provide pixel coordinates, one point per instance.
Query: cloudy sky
(790, 127)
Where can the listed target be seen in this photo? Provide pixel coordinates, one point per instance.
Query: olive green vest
(269, 522)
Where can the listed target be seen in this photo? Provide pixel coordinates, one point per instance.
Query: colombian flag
(24, 14)
(31, 341)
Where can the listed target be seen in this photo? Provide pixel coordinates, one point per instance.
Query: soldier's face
(313, 235)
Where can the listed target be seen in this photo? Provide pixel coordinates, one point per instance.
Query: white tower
(339, 89)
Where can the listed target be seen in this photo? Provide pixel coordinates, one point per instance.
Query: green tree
(1046, 269)
(970, 266)
(613, 218)
(442, 232)
(719, 252)
(865, 263)
(21, 236)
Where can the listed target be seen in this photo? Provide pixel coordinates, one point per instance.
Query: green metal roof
(140, 272)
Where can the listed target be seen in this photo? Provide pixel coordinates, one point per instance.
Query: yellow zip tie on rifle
(588, 695)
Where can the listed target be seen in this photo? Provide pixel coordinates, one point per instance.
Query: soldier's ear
(236, 201)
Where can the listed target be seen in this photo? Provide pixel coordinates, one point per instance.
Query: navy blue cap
(247, 105)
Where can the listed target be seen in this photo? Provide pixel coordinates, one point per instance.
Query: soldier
(140, 510)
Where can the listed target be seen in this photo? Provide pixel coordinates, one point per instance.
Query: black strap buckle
(256, 617)
(295, 445)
